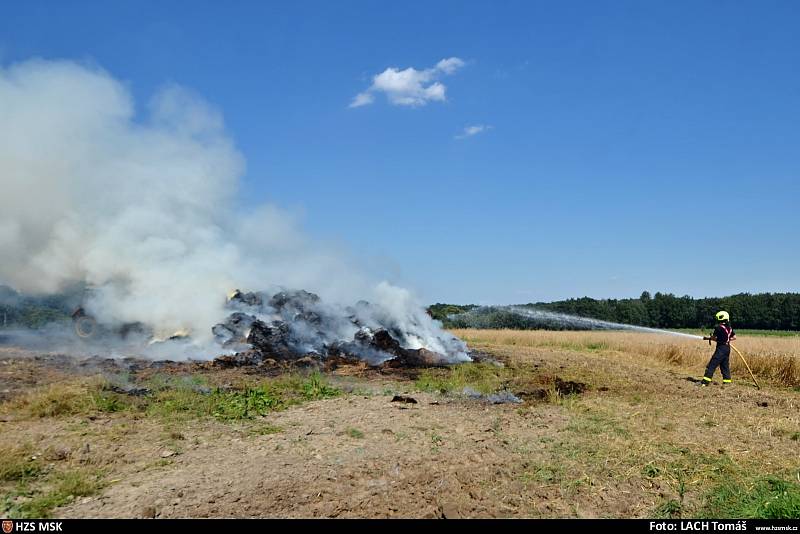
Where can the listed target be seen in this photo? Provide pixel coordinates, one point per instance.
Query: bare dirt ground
(641, 441)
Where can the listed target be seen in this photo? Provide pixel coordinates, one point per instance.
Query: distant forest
(18, 310)
(763, 311)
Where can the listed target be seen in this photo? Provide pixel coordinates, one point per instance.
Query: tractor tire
(85, 327)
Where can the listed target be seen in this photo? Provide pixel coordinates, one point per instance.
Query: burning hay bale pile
(296, 326)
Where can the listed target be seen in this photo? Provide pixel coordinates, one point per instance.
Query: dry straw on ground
(775, 359)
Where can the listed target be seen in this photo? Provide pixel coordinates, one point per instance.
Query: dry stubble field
(610, 426)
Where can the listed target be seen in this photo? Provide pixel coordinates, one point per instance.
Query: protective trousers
(721, 358)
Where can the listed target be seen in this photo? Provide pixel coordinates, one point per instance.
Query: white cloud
(469, 131)
(362, 99)
(450, 65)
(409, 87)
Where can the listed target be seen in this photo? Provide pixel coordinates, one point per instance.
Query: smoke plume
(144, 206)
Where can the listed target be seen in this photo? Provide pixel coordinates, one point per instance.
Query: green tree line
(17, 310)
(762, 311)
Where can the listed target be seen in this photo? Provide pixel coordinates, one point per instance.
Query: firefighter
(723, 334)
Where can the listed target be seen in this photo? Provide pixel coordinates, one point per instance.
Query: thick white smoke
(143, 205)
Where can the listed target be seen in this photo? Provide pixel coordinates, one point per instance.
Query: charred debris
(295, 326)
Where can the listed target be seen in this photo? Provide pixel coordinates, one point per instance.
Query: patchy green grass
(695, 483)
(79, 397)
(762, 498)
(274, 395)
(265, 430)
(682, 464)
(30, 487)
(670, 509)
(595, 422)
(175, 398)
(107, 402)
(246, 403)
(354, 433)
(179, 403)
(58, 489)
(734, 491)
(65, 399)
(482, 377)
(485, 378)
(316, 387)
(651, 471)
(542, 474)
(18, 463)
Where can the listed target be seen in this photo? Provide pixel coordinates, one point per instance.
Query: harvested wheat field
(570, 424)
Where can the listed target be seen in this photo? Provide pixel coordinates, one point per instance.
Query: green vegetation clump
(34, 488)
(734, 491)
(65, 399)
(176, 398)
(58, 489)
(482, 377)
(18, 463)
(189, 401)
(355, 433)
(27, 311)
(763, 498)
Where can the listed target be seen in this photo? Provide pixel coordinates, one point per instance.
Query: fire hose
(748, 367)
(743, 360)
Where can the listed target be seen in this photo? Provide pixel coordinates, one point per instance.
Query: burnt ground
(599, 434)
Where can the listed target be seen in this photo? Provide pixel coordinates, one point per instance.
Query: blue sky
(627, 145)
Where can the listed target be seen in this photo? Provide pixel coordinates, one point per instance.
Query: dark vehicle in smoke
(87, 326)
(84, 325)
